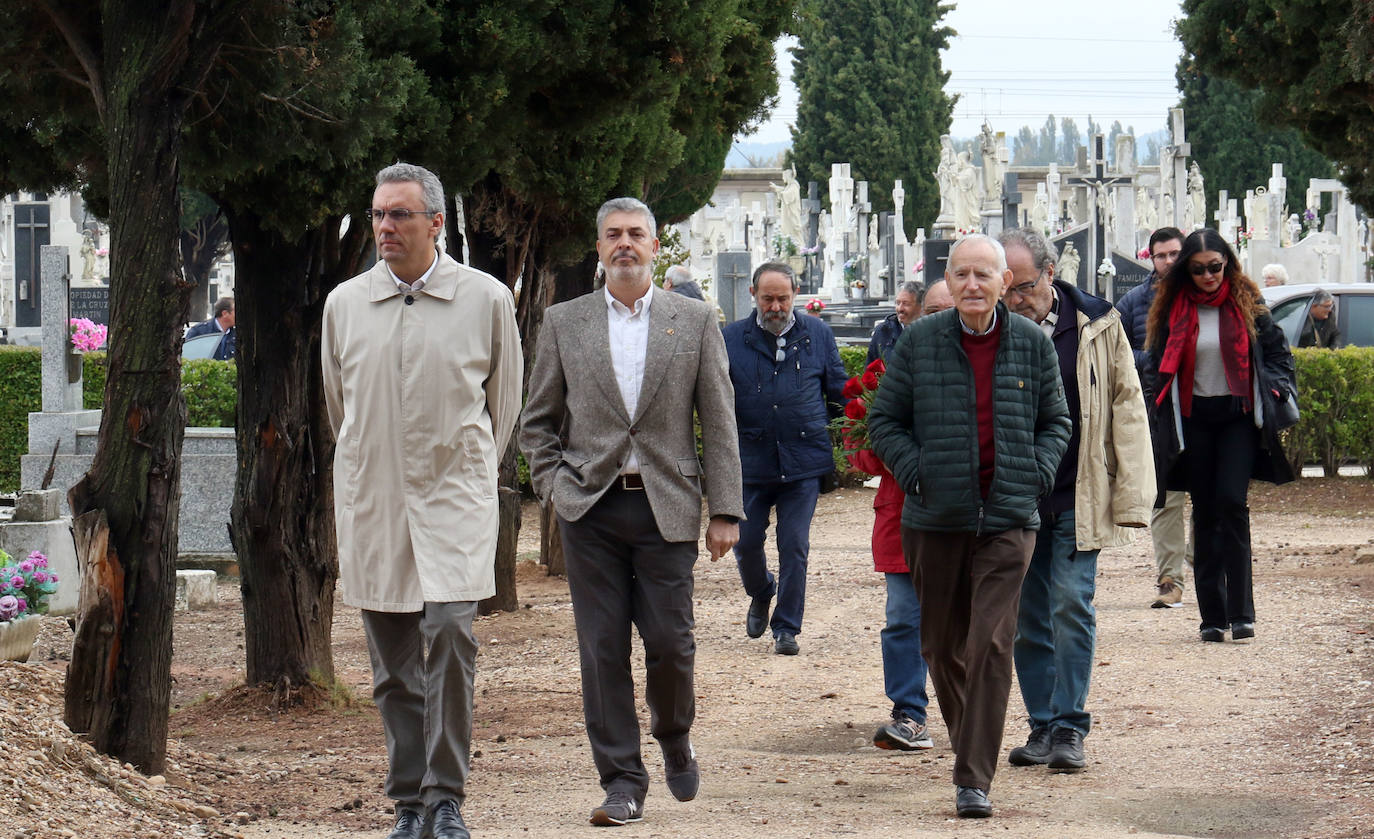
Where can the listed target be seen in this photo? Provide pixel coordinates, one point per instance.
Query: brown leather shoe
(1170, 595)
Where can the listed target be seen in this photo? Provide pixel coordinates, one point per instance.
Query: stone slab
(196, 590)
(54, 540)
(60, 429)
(38, 505)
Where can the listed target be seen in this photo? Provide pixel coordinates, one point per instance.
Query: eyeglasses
(781, 354)
(1197, 269)
(1026, 288)
(398, 214)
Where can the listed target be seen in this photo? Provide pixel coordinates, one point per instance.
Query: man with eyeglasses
(907, 302)
(789, 383)
(608, 434)
(422, 374)
(1105, 484)
(1167, 526)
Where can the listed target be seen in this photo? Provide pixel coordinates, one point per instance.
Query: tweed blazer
(576, 434)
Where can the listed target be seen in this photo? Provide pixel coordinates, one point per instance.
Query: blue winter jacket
(1134, 307)
(782, 408)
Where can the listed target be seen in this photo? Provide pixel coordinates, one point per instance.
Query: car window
(1356, 312)
(203, 346)
(1289, 316)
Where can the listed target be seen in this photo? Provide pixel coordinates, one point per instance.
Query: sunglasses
(1198, 269)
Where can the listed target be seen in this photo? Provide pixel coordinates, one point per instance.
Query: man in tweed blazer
(608, 435)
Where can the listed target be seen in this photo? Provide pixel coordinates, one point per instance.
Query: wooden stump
(99, 627)
(550, 543)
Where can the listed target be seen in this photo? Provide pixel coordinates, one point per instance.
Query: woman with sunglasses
(1219, 366)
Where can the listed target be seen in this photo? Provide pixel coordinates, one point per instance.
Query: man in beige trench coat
(422, 369)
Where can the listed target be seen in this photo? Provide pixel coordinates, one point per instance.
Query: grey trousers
(620, 570)
(422, 677)
(1169, 537)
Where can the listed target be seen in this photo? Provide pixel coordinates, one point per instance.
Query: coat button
(634, 431)
(409, 300)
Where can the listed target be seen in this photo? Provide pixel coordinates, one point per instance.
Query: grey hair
(980, 237)
(431, 191)
(1321, 296)
(626, 205)
(1276, 271)
(911, 287)
(776, 268)
(1043, 252)
(678, 274)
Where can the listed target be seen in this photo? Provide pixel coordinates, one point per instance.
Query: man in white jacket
(422, 370)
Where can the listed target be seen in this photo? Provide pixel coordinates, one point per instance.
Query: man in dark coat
(789, 382)
(907, 301)
(222, 322)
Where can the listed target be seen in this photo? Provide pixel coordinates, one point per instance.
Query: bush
(21, 392)
(854, 359)
(1336, 402)
(211, 398)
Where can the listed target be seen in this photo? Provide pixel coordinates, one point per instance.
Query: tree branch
(82, 50)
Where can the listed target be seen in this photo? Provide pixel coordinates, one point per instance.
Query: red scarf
(1180, 352)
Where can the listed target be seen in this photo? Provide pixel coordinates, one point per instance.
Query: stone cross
(811, 211)
(1102, 206)
(59, 392)
(1173, 168)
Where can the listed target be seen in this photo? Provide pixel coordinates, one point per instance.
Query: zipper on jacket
(979, 531)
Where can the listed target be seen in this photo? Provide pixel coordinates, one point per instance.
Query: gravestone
(732, 284)
(31, 235)
(90, 302)
(1129, 274)
(1079, 237)
(61, 392)
(935, 254)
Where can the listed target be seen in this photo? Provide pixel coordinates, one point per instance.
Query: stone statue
(1195, 213)
(992, 181)
(87, 256)
(1106, 210)
(967, 201)
(1292, 231)
(1145, 217)
(1168, 209)
(1040, 211)
(945, 175)
(789, 206)
(873, 233)
(1257, 214)
(1067, 269)
(1052, 192)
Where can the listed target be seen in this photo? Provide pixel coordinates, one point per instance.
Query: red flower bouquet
(859, 390)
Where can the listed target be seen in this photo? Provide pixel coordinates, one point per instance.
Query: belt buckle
(631, 482)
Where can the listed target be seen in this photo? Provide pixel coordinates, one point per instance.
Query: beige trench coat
(1115, 487)
(422, 397)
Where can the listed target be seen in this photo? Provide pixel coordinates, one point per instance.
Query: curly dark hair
(1243, 289)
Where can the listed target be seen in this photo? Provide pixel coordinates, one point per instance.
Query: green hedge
(211, 398)
(853, 358)
(1336, 402)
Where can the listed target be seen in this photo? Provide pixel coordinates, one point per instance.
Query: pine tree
(872, 94)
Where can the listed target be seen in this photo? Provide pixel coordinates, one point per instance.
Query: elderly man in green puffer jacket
(974, 447)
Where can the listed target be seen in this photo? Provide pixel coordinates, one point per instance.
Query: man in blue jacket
(789, 382)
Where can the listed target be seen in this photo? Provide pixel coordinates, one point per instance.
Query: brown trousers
(970, 588)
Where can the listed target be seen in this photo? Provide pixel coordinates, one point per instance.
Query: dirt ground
(1269, 739)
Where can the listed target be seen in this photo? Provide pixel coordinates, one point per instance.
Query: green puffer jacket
(923, 425)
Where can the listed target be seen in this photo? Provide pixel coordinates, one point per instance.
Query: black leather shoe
(443, 822)
(1066, 750)
(681, 772)
(408, 824)
(1036, 752)
(972, 803)
(1213, 634)
(1242, 631)
(786, 644)
(757, 620)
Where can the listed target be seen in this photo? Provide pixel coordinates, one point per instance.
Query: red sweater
(982, 353)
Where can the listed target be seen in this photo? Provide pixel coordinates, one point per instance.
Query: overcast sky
(1014, 63)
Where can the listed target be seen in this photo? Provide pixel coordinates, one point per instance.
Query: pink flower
(1144, 253)
(40, 576)
(38, 559)
(9, 607)
(16, 581)
(27, 566)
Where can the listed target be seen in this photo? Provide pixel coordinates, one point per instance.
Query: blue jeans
(1057, 628)
(904, 670)
(796, 505)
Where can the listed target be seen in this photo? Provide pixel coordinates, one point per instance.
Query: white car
(1354, 312)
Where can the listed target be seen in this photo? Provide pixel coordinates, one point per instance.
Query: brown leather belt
(635, 481)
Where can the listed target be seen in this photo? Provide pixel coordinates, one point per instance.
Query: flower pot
(74, 359)
(17, 637)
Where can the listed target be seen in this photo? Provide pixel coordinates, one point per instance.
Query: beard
(774, 322)
(627, 274)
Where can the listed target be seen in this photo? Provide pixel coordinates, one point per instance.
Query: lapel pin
(670, 332)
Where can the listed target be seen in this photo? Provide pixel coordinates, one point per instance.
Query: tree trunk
(282, 524)
(153, 62)
(508, 534)
(551, 542)
(200, 247)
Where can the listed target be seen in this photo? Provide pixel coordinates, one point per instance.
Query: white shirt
(629, 335)
(1209, 371)
(408, 288)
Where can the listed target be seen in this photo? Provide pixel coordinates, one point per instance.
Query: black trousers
(621, 571)
(1221, 442)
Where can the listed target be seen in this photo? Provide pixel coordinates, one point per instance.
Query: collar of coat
(442, 284)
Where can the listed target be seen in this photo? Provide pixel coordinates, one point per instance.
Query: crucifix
(1101, 188)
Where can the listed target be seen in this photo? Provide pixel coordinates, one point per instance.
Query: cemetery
(175, 656)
